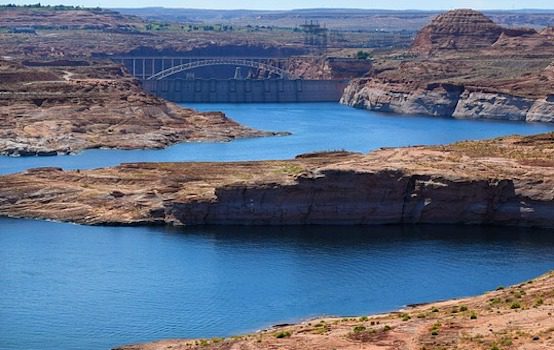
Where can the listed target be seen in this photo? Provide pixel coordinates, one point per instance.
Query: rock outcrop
(327, 67)
(439, 100)
(68, 108)
(507, 181)
(467, 67)
(517, 317)
(457, 30)
(475, 105)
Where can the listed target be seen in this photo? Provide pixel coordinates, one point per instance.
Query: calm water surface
(75, 287)
(66, 286)
(315, 127)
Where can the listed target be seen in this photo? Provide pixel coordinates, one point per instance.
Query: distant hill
(64, 17)
(342, 19)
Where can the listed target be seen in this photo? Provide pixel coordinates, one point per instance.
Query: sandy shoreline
(515, 317)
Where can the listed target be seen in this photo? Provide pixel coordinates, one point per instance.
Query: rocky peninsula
(505, 181)
(518, 317)
(65, 106)
(463, 65)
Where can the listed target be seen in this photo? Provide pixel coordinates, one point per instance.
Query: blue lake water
(65, 286)
(75, 287)
(315, 127)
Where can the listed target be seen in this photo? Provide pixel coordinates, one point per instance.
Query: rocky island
(506, 181)
(463, 65)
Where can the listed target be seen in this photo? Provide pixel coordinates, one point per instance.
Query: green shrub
(363, 55)
(282, 335)
(435, 328)
(515, 306)
(359, 329)
(506, 341)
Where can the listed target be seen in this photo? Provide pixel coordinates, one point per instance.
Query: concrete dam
(204, 79)
(244, 91)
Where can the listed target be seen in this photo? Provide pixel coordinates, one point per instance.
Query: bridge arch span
(218, 62)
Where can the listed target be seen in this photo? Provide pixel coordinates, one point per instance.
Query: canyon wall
(446, 100)
(358, 198)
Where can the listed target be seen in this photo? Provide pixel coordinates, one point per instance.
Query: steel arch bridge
(283, 74)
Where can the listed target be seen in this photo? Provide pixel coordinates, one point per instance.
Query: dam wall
(245, 91)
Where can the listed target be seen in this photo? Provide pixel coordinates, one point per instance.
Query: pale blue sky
(295, 4)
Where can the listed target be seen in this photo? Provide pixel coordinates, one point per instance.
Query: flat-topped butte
(505, 181)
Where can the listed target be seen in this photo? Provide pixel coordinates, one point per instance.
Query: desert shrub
(284, 334)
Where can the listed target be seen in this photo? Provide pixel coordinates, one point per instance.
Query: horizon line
(331, 8)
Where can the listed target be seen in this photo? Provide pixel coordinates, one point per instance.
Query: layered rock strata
(449, 99)
(507, 181)
(457, 29)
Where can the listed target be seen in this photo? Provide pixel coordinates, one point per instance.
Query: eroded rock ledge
(517, 317)
(463, 65)
(62, 107)
(507, 181)
(447, 100)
